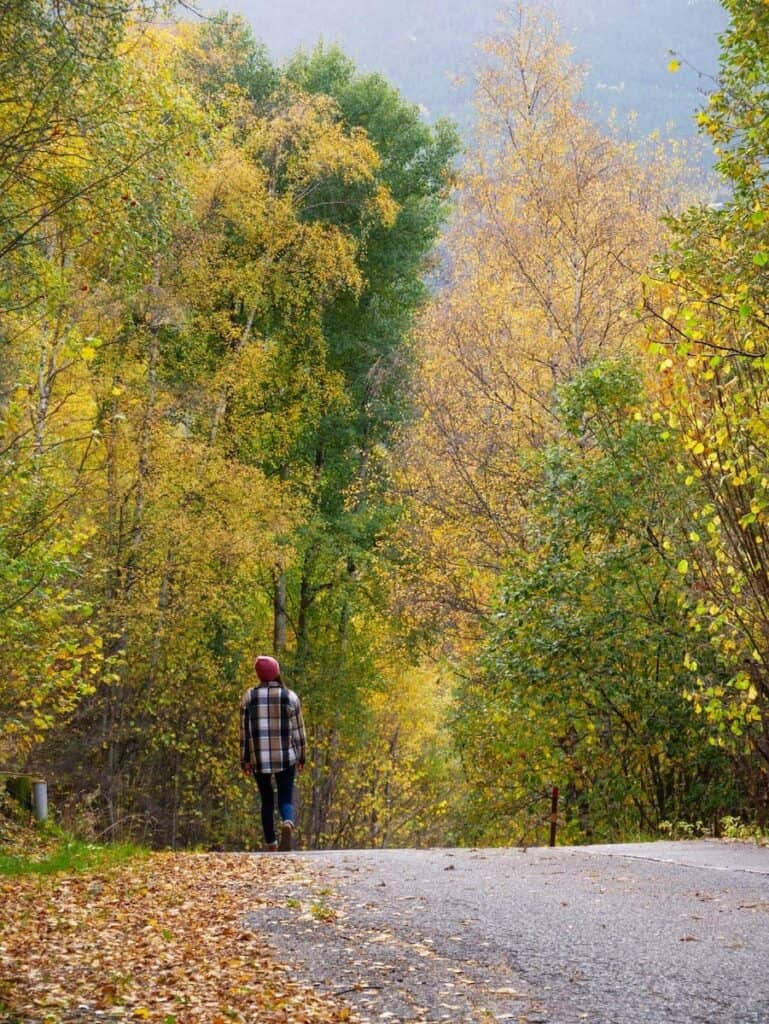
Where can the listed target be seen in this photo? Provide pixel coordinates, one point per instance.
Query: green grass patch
(69, 855)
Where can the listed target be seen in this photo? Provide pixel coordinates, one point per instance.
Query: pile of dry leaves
(161, 939)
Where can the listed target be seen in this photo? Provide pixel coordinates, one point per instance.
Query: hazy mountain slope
(420, 44)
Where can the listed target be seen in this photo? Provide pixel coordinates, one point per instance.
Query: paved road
(657, 933)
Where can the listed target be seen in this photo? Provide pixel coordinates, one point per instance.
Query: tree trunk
(280, 598)
(280, 621)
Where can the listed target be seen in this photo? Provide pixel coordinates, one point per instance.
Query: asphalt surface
(656, 933)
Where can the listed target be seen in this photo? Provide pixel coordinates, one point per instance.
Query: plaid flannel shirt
(272, 734)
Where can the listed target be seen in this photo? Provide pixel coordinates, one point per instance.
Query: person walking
(273, 742)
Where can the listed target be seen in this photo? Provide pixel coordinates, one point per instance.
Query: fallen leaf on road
(159, 940)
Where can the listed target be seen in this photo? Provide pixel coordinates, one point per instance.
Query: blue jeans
(285, 783)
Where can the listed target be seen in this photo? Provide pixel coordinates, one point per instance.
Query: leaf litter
(161, 939)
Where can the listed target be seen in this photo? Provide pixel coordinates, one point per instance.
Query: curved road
(653, 933)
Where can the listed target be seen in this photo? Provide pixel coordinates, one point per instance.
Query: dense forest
(475, 444)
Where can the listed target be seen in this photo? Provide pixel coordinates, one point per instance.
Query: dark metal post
(553, 815)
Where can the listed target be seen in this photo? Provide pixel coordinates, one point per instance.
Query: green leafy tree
(73, 206)
(327, 591)
(583, 669)
(60, 69)
(710, 333)
(206, 335)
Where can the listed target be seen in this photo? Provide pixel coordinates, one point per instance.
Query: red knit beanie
(267, 668)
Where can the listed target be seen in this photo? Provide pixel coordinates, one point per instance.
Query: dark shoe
(286, 832)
